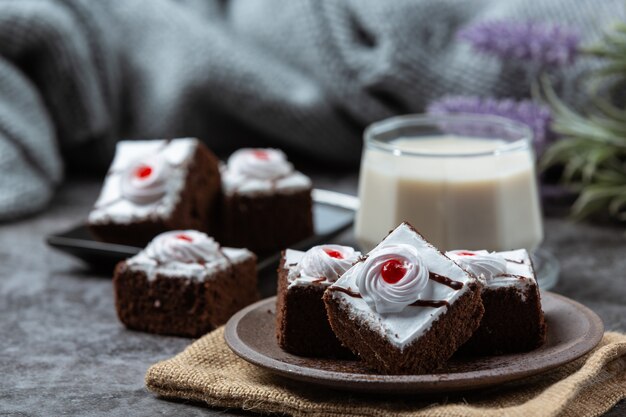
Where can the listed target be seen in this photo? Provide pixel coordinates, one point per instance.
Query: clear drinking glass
(463, 181)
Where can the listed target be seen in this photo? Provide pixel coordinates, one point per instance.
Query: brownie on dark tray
(184, 284)
(154, 186)
(266, 204)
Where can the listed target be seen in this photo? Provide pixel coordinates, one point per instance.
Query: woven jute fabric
(208, 371)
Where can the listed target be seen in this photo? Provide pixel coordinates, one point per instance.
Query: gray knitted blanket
(302, 75)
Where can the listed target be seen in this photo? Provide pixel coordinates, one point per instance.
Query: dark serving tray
(332, 214)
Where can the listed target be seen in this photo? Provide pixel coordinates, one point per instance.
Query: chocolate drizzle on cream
(347, 291)
(418, 303)
(515, 261)
(362, 258)
(455, 285)
(511, 276)
(221, 252)
(386, 296)
(431, 303)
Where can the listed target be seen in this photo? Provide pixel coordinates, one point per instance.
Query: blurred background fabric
(303, 75)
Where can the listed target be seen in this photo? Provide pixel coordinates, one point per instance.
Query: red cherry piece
(259, 154)
(184, 237)
(466, 254)
(143, 171)
(393, 270)
(333, 253)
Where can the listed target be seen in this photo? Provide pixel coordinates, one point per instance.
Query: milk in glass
(458, 192)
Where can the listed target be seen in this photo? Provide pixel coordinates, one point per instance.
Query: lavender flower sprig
(536, 116)
(545, 45)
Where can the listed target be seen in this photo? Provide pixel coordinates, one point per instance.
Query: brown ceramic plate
(573, 330)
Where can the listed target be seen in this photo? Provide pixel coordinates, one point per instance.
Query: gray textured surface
(63, 352)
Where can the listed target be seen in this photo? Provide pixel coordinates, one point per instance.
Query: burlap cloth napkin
(209, 372)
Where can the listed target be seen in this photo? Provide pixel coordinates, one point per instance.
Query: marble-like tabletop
(63, 351)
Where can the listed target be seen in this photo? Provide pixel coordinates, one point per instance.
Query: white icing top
(403, 327)
(321, 265)
(483, 264)
(188, 246)
(514, 268)
(185, 254)
(261, 171)
(378, 280)
(144, 181)
(262, 164)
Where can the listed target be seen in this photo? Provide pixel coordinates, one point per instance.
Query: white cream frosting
(517, 272)
(317, 266)
(481, 263)
(387, 297)
(125, 198)
(262, 164)
(186, 246)
(261, 171)
(403, 327)
(144, 181)
(186, 254)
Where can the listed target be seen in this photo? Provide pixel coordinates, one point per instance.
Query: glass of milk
(463, 181)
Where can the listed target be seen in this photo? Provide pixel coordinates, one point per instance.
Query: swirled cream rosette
(187, 246)
(392, 278)
(263, 164)
(483, 264)
(145, 180)
(328, 261)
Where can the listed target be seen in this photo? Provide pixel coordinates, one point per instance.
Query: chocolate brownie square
(405, 308)
(513, 319)
(154, 186)
(184, 284)
(266, 204)
(302, 326)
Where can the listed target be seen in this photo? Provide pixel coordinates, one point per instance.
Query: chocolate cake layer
(510, 323)
(183, 306)
(265, 223)
(425, 354)
(302, 326)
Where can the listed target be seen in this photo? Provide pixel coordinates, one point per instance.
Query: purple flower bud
(536, 116)
(546, 45)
